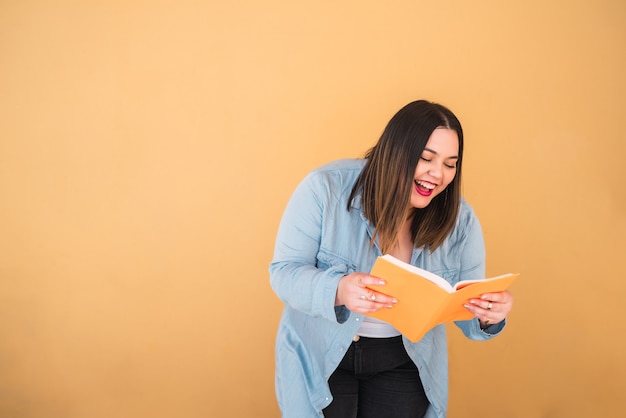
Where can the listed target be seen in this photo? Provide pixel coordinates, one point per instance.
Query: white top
(375, 328)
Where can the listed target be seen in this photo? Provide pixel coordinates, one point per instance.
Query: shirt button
(358, 319)
(356, 338)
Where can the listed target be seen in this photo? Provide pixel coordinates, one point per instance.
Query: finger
(382, 297)
(501, 297)
(503, 308)
(359, 282)
(369, 295)
(483, 314)
(485, 305)
(371, 301)
(369, 306)
(365, 280)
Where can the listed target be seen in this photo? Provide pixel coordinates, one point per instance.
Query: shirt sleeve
(473, 268)
(294, 273)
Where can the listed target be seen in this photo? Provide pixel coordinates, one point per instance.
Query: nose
(435, 170)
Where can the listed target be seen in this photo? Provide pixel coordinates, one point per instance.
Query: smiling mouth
(424, 188)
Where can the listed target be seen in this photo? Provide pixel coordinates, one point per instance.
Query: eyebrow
(453, 157)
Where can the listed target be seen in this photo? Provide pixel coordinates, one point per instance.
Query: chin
(420, 204)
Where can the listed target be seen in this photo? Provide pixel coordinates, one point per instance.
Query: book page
(439, 281)
(464, 283)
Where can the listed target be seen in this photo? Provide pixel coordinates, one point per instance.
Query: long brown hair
(387, 178)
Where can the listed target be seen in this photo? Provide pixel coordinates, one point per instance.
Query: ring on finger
(489, 306)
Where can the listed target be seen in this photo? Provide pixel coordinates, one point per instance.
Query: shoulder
(466, 213)
(336, 176)
(348, 166)
(467, 224)
(463, 250)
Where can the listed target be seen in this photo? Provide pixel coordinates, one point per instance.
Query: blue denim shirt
(318, 242)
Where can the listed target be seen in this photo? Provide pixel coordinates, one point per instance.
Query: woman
(403, 199)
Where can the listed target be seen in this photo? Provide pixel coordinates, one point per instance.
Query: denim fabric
(318, 242)
(375, 379)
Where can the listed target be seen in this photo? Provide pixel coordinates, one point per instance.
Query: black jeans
(376, 379)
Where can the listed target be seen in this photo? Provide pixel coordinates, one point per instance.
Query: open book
(425, 299)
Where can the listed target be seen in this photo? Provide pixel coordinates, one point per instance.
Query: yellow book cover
(426, 300)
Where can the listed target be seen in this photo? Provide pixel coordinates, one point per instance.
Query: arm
(294, 272)
(302, 275)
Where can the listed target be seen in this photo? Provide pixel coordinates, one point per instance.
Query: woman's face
(436, 167)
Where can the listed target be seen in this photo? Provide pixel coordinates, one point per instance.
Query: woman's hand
(491, 308)
(352, 292)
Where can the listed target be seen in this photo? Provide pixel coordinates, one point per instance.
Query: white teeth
(425, 185)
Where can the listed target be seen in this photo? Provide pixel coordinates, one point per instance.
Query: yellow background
(147, 150)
